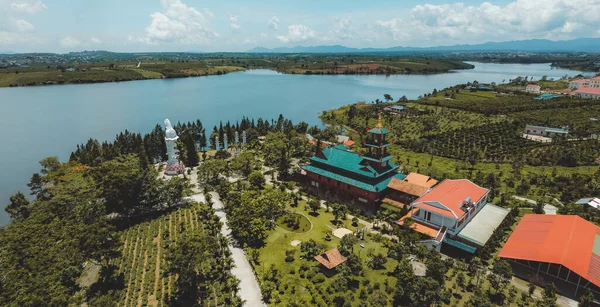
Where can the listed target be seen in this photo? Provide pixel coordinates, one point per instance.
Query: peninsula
(102, 66)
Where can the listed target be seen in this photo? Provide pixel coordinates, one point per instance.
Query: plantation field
(143, 262)
(420, 121)
(490, 103)
(500, 142)
(578, 119)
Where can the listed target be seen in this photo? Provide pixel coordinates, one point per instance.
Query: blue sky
(235, 25)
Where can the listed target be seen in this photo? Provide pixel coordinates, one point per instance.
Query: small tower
(377, 144)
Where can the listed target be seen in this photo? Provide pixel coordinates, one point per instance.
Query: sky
(240, 25)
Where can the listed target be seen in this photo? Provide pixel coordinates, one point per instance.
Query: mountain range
(586, 45)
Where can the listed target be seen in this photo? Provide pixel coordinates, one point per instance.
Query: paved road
(548, 209)
(249, 288)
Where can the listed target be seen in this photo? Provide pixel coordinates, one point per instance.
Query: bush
(317, 279)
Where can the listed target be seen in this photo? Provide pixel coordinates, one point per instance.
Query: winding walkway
(249, 288)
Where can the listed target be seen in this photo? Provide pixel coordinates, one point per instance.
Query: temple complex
(361, 179)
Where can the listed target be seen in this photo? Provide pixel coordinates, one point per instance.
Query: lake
(51, 120)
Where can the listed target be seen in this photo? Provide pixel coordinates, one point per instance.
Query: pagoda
(361, 179)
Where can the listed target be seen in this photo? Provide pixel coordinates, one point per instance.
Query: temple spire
(379, 123)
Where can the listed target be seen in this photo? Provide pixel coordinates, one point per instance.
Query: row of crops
(498, 142)
(143, 262)
(576, 153)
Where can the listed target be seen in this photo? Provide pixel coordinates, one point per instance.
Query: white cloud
(179, 23)
(342, 28)
(208, 13)
(70, 42)
(297, 33)
(234, 22)
(520, 19)
(13, 27)
(28, 6)
(274, 23)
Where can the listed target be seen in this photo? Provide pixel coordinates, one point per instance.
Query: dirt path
(170, 228)
(124, 252)
(162, 292)
(158, 242)
(141, 292)
(152, 299)
(131, 272)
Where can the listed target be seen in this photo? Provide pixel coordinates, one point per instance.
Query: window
(428, 216)
(348, 186)
(362, 199)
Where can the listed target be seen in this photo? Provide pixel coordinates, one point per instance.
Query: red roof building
(532, 88)
(588, 92)
(458, 209)
(448, 198)
(564, 249)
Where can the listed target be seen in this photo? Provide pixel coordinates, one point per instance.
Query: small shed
(331, 259)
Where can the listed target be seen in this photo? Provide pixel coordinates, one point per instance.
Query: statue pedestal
(174, 169)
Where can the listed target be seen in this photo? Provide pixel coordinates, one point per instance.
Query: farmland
(145, 252)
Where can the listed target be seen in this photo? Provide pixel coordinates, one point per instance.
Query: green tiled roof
(377, 187)
(379, 131)
(460, 245)
(340, 157)
(556, 130)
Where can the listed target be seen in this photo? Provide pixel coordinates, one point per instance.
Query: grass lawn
(295, 283)
(303, 225)
(148, 74)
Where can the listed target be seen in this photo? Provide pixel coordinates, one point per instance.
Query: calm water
(50, 120)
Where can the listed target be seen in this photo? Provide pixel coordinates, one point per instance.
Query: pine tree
(192, 155)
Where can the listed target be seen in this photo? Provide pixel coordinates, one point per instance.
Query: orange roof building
(564, 249)
(404, 191)
(331, 258)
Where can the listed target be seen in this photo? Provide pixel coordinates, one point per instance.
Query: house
(341, 139)
(402, 192)
(559, 249)
(546, 131)
(589, 202)
(331, 259)
(595, 82)
(578, 83)
(396, 109)
(532, 88)
(588, 92)
(361, 179)
(456, 214)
